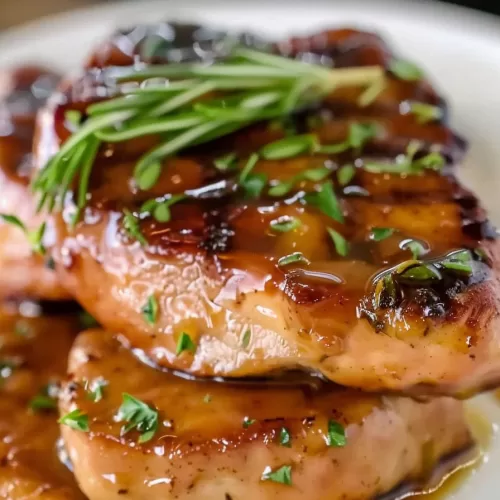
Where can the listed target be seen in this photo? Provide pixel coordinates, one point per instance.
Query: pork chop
(389, 284)
(218, 441)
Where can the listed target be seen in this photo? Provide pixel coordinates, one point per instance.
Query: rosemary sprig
(197, 103)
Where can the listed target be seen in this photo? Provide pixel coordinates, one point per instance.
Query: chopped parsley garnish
(95, 389)
(131, 225)
(35, 236)
(42, 402)
(247, 422)
(336, 434)
(341, 245)
(416, 248)
(246, 337)
(160, 210)
(139, 416)
(285, 438)
(289, 147)
(87, 320)
(359, 134)
(226, 162)
(407, 164)
(381, 233)
(405, 70)
(326, 201)
(425, 113)
(282, 475)
(293, 258)
(313, 175)
(345, 174)
(76, 419)
(252, 184)
(285, 224)
(421, 272)
(185, 343)
(150, 310)
(460, 262)
(73, 116)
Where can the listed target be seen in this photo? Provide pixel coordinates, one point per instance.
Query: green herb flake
(43, 402)
(336, 435)
(150, 310)
(87, 321)
(405, 70)
(76, 420)
(422, 272)
(283, 475)
(247, 422)
(285, 438)
(246, 337)
(139, 416)
(293, 258)
(14, 221)
(326, 201)
(313, 175)
(345, 174)
(226, 162)
(207, 398)
(360, 134)
(285, 224)
(73, 117)
(381, 233)
(252, 184)
(416, 248)
(185, 343)
(341, 245)
(425, 113)
(131, 226)
(95, 389)
(289, 147)
(460, 262)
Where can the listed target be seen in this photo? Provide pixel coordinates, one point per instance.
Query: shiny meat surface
(215, 441)
(22, 93)
(215, 268)
(33, 352)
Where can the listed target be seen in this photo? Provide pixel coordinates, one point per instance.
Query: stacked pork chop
(274, 241)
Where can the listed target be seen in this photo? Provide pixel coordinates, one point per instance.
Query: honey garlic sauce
(204, 449)
(33, 357)
(22, 92)
(216, 267)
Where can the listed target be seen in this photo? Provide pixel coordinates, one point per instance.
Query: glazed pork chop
(33, 351)
(22, 271)
(152, 435)
(364, 261)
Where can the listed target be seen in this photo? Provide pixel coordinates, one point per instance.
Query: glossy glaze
(213, 268)
(22, 93)
(33, 352)
(203, 450)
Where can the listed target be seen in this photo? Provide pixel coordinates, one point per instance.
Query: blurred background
(14, 12)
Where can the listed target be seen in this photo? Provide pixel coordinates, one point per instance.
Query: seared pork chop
(218, 441)
(374, 272)
(33, 351)
(22, 272)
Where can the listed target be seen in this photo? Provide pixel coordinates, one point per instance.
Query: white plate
(460, 49)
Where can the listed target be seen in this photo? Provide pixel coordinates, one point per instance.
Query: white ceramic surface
(458, 47)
